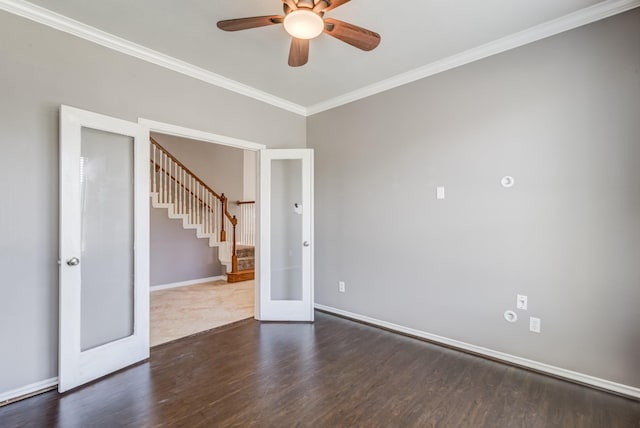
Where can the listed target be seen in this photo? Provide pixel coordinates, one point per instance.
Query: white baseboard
(618, 388)
(186, 283)
(27, 391)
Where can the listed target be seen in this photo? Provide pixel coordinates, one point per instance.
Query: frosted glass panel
(106, 259)
(286, 229)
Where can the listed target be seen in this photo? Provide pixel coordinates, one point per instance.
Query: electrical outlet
(521, 302)
(534, 324)
(440, 192)
(341, 287)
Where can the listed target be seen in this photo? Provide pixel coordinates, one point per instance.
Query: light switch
(521, 302)
(440, 192)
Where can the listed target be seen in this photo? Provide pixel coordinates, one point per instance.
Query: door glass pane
(286, 229)
(107, 264)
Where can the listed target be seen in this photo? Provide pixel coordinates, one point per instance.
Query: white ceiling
(414, 33)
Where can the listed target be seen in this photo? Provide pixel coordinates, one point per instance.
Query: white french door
(104, 246)
(285, 254)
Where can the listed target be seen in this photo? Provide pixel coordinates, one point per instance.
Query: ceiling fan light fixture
(304, 20)
(303, 24)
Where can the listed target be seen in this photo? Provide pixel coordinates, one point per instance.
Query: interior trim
(573, 20)
(193, 134)
(565, 23)
(28, 391)
(60, 22)
(186, 283)
(48, 384)
(626, 390)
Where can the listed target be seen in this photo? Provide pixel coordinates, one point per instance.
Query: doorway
(202, 236)
(283, 290)
(95, 151)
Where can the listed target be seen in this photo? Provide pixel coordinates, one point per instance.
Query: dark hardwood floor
(334, 373)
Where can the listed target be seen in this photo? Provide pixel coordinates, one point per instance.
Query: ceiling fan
(304, 20)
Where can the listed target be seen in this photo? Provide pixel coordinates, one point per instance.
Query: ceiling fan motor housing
(306, 3)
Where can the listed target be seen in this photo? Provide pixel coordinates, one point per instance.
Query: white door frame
(208, 137)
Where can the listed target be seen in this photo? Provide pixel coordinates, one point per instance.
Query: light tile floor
(180, 312)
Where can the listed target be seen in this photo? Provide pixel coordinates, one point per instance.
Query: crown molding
(60, 22)
(568, 22)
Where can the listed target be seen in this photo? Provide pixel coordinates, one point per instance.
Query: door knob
(73, 262)
(306, 243)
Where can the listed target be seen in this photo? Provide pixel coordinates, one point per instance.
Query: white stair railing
(246, 223)
(176, 188)
(187, 197)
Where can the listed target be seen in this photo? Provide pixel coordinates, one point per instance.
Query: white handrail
(174, 187)
(185, 196)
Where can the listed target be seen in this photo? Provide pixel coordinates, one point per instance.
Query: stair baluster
(247, 222)
(154, 171)
(176, 188)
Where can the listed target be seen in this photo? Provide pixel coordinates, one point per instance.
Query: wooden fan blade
(299, 52)
(291, 3)
(246, 23)
(356, 36)
(335, 3)
(321, 5)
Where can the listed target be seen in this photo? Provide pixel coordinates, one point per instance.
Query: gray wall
(176, 254)
(562, 116)
(221, 167)
(250, 172)
(41, 68)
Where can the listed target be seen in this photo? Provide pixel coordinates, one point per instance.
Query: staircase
(246, 264)
(186, 197)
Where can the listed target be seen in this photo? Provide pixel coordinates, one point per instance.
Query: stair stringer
(224, 248)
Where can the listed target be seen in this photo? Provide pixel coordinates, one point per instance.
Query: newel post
(223, 233)
(234, 256)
